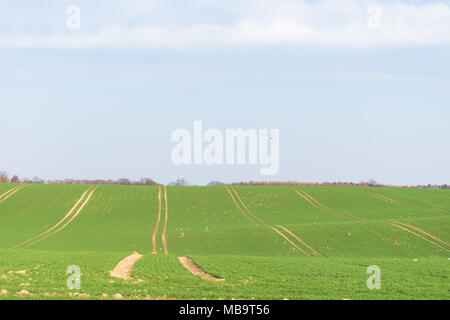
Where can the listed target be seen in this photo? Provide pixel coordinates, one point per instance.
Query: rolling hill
(266, 242)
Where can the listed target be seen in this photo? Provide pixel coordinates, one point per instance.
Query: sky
(358, 89)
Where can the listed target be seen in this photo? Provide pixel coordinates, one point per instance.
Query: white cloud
(328, 23)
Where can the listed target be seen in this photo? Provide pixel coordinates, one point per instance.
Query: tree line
(4, 178)
(370, 183)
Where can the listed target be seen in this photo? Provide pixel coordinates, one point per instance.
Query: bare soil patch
(196, 270)
(124, 268)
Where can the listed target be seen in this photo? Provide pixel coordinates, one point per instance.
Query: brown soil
(124, 268)
(196, 270)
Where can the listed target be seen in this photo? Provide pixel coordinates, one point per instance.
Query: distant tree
(38, 180)
(27, 180)
(215, 183)
(124, 181)
(15, 179)
(4, 177)
(148, 182)
(179, 182)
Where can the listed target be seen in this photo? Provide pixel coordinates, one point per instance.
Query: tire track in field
(440, 210)
(422, 231)
(322, 207)
(239, 207)
(406, 205)
(10, 190)
(66, 223)
(155, 232)
(348, 215)
(318, 205)
(246, 208)
(416, 234)
(392, 201)
(164, 236)
(290, 241)
(56, 225)
(10, 193)
(260, 220)
(300, 240)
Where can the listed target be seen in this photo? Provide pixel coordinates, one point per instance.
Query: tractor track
(311, 200)
(404, 228)
(155, 232)
(256, 219)
(68, 218)
(164, 235)
(10, 193)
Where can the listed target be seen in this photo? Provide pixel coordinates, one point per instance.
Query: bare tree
(4, 177)
(179, 182)
(37, 180)
(124, 181)
(15, 179)
(148, 182)
(215, 183)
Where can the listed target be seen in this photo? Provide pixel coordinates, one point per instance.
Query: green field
(267, 242)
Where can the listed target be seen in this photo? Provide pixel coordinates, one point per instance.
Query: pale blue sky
(346, 111)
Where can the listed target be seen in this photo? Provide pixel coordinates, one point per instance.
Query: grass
(206, 225)
(163, 277)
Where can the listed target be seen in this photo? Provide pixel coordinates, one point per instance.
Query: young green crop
(268, 242)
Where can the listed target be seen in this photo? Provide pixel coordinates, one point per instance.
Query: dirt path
(321, 206)
(10, 193)
(124, 268)
(422, 231)
(300, 240)
(155, 232)
(56, 225)
(196, 270)
(65, 224)
(418, 235)
(164, 237)
(262, 221)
